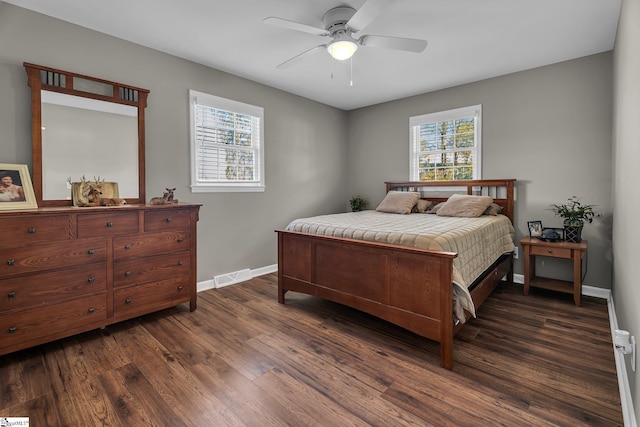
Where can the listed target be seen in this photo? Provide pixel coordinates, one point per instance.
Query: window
(227, 145)
(446, 146)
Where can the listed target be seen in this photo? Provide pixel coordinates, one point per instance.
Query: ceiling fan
(340, 23)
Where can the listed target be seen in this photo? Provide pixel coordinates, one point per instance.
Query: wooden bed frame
(406, 286)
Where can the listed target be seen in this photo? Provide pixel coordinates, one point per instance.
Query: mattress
(479, 242)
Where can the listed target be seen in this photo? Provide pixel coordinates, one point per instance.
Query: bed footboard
(409, 287)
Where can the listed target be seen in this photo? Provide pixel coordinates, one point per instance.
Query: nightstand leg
(529, 266)
(577, 277)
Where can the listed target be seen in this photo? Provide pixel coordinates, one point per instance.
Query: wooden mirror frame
(50, 79)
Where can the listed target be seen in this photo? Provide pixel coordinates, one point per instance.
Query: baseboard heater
(232, 278)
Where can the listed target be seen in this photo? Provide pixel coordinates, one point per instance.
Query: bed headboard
(502, 190)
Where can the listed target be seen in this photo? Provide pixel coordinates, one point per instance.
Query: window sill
(227, 189)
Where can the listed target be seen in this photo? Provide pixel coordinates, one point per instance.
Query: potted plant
(358, 203)
(574, 214)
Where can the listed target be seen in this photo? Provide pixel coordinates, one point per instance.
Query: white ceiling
(469, 40)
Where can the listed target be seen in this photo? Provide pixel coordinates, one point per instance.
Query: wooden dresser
(69, 270)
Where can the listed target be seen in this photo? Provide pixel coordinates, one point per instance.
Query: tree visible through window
(445, 146)
(227, 146)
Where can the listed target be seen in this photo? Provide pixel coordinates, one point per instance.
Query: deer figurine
(166, 199)
(92, 192)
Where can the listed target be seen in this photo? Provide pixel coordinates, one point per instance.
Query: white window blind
(227, 142)
(446, 146)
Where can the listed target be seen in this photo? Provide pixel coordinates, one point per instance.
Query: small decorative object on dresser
(574, 214)
(95, 193)
(166, 199)
(16, 191)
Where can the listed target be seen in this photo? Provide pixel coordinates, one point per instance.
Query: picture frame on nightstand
(551, 234)
(535, 228)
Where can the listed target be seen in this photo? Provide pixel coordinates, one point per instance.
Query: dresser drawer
(141, 299)
(139, 245)
(167, 220)
(24, 230)
(552, 252)
(20, 293)
(151, 268)
(107, 224)
(37, 258)
(52, 320)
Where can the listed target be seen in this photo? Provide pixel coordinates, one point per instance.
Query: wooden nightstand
(533, 247)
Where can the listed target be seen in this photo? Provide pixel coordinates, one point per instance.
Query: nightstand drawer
(552, 252)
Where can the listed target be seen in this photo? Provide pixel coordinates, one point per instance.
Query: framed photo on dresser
(16, 190)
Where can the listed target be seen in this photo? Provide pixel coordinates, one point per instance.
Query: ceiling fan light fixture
(342, 49)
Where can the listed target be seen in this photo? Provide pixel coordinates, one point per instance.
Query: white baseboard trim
(590, 291)
(626, 400)
(235, 277)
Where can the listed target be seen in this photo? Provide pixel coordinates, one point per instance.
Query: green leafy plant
(574, 212)
(358, 203)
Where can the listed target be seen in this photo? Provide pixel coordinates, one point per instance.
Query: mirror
(82, 126)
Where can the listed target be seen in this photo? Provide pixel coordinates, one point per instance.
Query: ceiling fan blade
(292, 25)
(397, 43)
(366, 14)
(290, 62)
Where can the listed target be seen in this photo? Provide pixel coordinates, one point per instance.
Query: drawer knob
(550, 251)
(109, 224)
(180, 240)
(127, 273)
(180, 287)
(180, 263)
(12, 329)
(91, 279)
(169, 219)
(11, 294)
(127, 247)
(91, 252)
(127, 301)
(11, 261)
(91, 310)
(31, 230)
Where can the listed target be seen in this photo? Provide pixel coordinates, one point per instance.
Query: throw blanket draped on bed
(478, 241)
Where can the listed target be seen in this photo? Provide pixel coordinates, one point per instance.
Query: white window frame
(198, 185)
(459, 113)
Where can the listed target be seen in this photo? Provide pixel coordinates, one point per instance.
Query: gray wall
(550, 128)
(305, 142)
(626, 203)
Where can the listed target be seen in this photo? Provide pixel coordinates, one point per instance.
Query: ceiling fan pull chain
(351, 71)
(333, 61)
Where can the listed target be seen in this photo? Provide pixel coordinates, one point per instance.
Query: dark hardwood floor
(242, 359)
